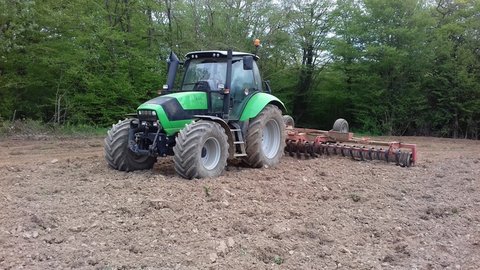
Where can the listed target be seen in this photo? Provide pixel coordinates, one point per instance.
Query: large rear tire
(117, 153)
(265, 138)
(201, 150)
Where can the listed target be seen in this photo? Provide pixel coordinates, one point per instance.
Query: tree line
(408, 67)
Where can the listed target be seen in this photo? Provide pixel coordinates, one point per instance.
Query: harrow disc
(308, 150)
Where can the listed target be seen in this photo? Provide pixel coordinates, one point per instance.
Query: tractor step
(238, 142)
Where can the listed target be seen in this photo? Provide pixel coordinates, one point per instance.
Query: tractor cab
(235, 77)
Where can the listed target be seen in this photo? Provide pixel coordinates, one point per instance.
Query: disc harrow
(312, 143)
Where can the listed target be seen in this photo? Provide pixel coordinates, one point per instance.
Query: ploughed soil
(62, 207)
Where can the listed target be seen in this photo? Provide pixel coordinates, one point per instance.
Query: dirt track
(61, 207)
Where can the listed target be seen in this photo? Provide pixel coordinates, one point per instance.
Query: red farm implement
(311, 143)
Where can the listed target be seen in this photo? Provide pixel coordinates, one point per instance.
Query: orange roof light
(256, 42)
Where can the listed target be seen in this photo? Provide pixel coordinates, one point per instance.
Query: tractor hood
(178, 106)
(176, 109)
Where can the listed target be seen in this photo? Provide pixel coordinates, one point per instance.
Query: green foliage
(74, 61)
(453, 82)
(24, 127)
(381, 55)
(277, 260)
(389, 67)
(207, 191)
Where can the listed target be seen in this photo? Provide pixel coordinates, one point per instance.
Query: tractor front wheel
(201, 150)
(265, 138)
(117, 153)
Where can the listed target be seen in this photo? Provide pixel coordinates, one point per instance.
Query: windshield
(204, 70)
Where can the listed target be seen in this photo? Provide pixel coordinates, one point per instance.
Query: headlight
(147, 115)
(147, 112)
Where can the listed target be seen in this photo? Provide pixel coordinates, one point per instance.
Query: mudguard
(256, 104)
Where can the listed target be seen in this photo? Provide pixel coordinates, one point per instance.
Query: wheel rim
(271, 139)
(210, 154)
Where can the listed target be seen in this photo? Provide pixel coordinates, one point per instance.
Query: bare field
(62, 207)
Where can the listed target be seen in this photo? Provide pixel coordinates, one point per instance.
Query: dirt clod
(388, 259)
(230, 242)
(222, 248)
(213, 257)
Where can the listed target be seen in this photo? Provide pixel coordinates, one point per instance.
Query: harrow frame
(312, 143)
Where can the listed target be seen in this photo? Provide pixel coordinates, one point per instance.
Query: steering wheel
(201, 86)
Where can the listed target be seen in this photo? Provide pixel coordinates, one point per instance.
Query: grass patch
(355, 197)
(207, 191)
(31, 128)
(81, 130)
(278, 260)
(368, 134)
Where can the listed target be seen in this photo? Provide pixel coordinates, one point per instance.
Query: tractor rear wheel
(265, 138)
(201, 150)
(117, 153)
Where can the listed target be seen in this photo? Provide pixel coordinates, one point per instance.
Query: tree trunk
(127, 16)
(300, 102)
(168, 5)
(109, 16)
(196, 20)
(150, 27)
(455, 125)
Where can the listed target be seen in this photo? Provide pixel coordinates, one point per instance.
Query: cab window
(241, 78)
(258, 78)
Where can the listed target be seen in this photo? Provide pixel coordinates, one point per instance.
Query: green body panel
(256, 104)
(188, 101)
(198, 101)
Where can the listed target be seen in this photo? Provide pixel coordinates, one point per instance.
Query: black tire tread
(255, 156)
(117, 153)
(186, 148)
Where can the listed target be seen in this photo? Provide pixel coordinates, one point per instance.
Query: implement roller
(311, 143)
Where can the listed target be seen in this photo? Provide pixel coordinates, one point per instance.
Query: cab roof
(220, 54)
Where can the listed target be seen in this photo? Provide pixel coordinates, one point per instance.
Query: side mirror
(267, 87)
(247, 62)
(163, 90)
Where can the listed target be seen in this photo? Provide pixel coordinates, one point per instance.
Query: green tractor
(222, 111)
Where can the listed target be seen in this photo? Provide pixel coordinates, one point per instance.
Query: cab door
(245, 82)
